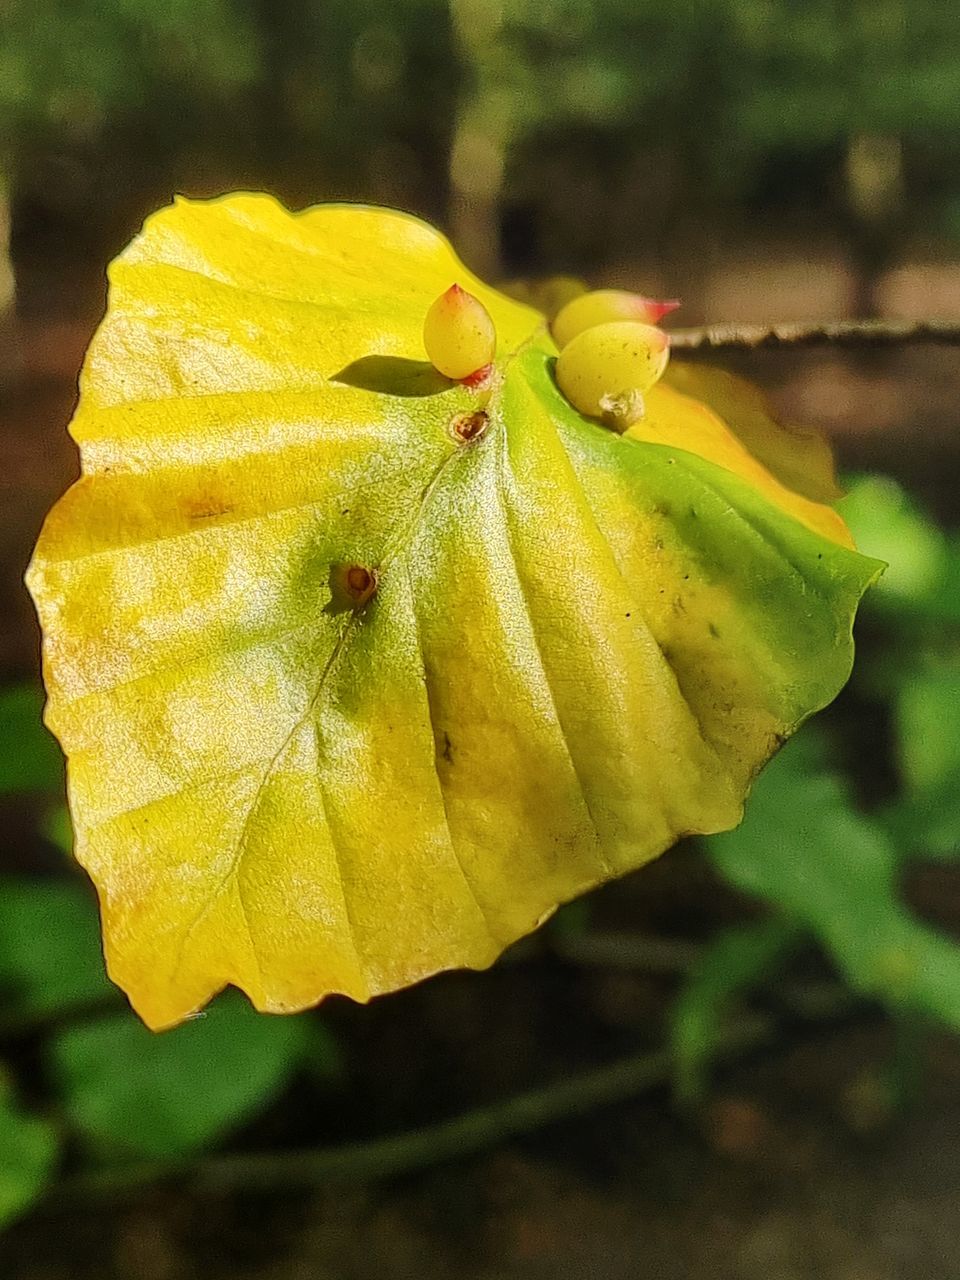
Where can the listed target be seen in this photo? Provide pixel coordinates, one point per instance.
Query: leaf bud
(459, 335)
(603, 306)
(605, 370)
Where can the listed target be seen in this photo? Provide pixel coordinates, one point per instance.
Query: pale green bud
(605, 370)
(459, 335)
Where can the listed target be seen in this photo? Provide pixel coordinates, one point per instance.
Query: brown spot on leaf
(351, 586)
(469, 426)
(206, 508)
(360, 583)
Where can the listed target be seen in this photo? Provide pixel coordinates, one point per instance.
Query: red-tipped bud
(605, 306)
(459, 336)
(657, 310)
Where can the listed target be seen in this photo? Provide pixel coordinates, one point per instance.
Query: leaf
(804, 847)
(800, 458)
(29, 757)
(926, 817)
(50, 957)
(736, 960)
(580, 645)
(928, 727)
(927, 822)
(888, 524)
(28, 1154)
(132, 1092)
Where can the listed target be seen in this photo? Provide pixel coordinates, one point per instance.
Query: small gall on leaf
(604, 306)
(605, 371)
(361, 583)
(621, 409)
(459, 336)
(352, 585)
(469, 426)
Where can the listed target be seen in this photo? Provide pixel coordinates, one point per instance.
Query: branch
(628, 951)
(381, 1158)
(464, 1135)
(836, 333)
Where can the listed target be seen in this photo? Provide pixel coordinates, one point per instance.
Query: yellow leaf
(351, 693)
(800, 459)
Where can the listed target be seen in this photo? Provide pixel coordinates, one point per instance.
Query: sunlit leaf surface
(581, 645)
(800, 458)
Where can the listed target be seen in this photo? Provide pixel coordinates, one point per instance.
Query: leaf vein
(608, 868)
(433, 728)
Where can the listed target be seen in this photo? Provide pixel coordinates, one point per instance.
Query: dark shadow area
(394, 376)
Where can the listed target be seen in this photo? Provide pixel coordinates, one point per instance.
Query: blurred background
(787, 995)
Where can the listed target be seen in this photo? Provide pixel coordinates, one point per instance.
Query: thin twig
(836, 333)
(810, 999)
(645, 953)
(381, 1158)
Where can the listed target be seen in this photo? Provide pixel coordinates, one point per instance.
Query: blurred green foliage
(50, 959)
(28, 1156)
(472, 107)
(129, 1091)
(829, 866)
(36, 764)
(736, 960)
(69, 64)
